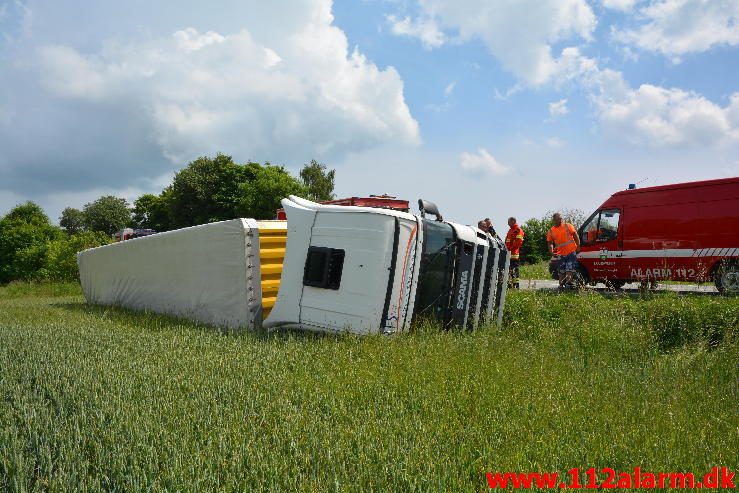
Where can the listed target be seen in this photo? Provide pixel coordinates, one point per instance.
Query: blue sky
(489, 108)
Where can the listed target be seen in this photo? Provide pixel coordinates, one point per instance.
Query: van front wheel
(615, 284)
(727, 278)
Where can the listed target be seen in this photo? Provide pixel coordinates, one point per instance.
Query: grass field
(539, 270)
(105, 399)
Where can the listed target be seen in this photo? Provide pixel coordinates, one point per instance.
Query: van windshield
(600, 227)
(437, 269)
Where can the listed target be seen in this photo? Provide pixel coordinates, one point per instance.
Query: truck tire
(726, 278)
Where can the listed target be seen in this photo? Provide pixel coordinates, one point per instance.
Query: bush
(61, 255)
(24, 235)
(535, 248)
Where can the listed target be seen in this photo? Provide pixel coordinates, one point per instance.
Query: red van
(681, 232)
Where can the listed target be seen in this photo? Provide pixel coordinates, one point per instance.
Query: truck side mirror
(429, 207)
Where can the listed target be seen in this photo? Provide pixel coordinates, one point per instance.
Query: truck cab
(369, 270)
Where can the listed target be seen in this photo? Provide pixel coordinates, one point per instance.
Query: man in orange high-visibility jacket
(564, 242)
(513, 242)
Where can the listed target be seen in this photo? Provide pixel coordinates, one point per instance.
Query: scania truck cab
(367, 270)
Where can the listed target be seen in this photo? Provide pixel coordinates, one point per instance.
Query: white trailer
(328, 268)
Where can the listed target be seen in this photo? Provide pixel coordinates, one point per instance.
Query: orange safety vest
(514, 240)
(562, 237)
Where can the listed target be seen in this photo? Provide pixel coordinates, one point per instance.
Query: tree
(318, 182)
(576, 217)
(24, 235)
(261, 196)
(535, 248)
(29, 213)
(152, 211)
(61, 254)
(107, 214)
(72, 220)
(207, 190)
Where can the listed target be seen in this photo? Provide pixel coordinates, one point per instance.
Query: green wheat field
(102, 399)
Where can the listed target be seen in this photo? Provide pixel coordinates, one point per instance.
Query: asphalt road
(550, 284)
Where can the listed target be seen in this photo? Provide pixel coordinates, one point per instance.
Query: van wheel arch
(725, 275)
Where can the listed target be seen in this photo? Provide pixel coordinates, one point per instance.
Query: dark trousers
(513, 274)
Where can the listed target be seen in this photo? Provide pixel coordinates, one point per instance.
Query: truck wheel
(727, 278)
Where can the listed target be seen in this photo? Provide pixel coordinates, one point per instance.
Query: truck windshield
(437, 270)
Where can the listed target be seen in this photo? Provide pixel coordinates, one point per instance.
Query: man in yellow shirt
(564, 242)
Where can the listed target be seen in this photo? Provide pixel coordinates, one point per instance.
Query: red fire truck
(381, 201)
(681, 232)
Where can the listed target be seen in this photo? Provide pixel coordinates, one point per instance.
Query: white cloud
(558, 108)
(294, 93)
(482, 163)
(520, 33)
(678, 27)
(650, 115)
(659, 116)
(622, 5)
(70, 74)
(424, 29)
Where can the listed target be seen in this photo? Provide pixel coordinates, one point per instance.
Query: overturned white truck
(328, 268)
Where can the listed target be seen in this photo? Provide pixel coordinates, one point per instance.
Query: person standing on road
(513, 243)
(564, 243)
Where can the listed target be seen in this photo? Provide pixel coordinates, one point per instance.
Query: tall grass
(539, 270)
(19, 289)
(105, 399)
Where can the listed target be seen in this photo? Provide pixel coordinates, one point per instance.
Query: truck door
(601, 246)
